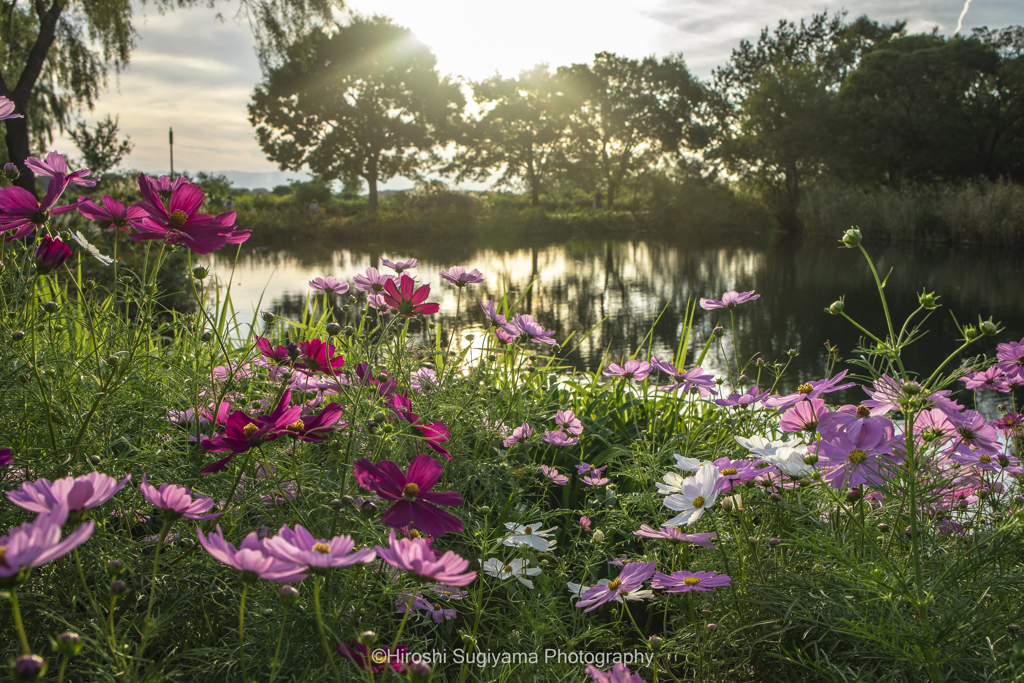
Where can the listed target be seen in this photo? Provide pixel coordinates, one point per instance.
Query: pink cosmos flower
(632, 577)
(242, 431)
(732, 473)
(491, 314)
(315, 426)
(35, 543)
(617, 674)
(181, 222)
(974, 433)
(21, 212)
(50, 254)
(1012, 423)
(519, 435)
(592, 475)
(559, 438)
(250, 559)
(301, 549)
(114, 213)
(808, 391)
(552, 474)
(693, 379)
(568, 421)
(372, 281)
(858, 424)
(401, 266)
(803, 417)
(1011, 358)
(993, 378)
(7, 110)
(407, 298)
(753, 395)
(56, 166)
(684, 582)
(329, 285)
(675, 534)
(888, 393)
(530, 330)
(585, 523)
(175, 501)
(75, 494)
(458, 276)
(636, 370)
(730, 299)
(845, 465)
(376, 661)
(413, 555)
(423, 380)
(415, 503)
(316, 356)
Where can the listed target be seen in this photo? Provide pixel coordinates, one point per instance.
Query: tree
(100, 148)
(620, 107)
(55, 56)
(363, 99)
(520, 130)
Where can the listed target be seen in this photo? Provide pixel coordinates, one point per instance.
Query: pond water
(617, 289)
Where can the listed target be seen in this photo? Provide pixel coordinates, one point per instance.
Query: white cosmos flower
(758, 445)
(790, 460)
(686, 464)
(84, 243)
(698, 494)
(516, 568)
(578, 589)
(528, 535)
(673, 483)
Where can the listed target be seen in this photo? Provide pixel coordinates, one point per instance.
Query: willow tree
(362, 99)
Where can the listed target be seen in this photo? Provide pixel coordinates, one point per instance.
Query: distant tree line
(823, 101)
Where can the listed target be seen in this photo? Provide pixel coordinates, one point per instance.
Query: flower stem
(241, 632)
(320, 625)
(85, 586)
(25, 649)
(405, 618)
(275, 665)
(152, 589)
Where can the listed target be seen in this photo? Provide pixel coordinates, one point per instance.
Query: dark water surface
(626, 283)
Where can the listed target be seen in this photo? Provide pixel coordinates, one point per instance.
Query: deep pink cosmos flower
(372, 281)
(301, 549)
(753, 395)
(519, 435)
(181, 222)
(35, 543)
(617, 674)
(693, 379)
(251, 559)
(5, 457)
(7, 110)
(632, 577)
(458, 276)
(730, 299)
(413, 555)
(56, 166)
(415, 503)
(375, 661)
(21, 212)
(636, 370)
(242, 431)
(330, 285)
(75, 494)
(552, 474)
(175, 501)
(114, 213)
(567, 420)
(312, 426)
(401, 266)
(50, 254)
(808, 391)
(684, 582)
(1011, 423)
(316, 356)
(407, 298)
(803, 417)
(672, 533)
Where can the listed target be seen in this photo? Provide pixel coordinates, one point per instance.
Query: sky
(195, 73)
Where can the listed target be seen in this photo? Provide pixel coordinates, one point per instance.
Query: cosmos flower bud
(206, 336)
(333, 329)
(836, 307)
(419, 672)
(49, 306)
(727, 504)
(115, 567)
(289, 596)
(774, 541)
(268, 612)
(28, 668)
(368, 508)
(11, 172)
(598, 536)
(928, 300)
(200, 273)
(719, 331)
(989, 328)
(293, 351)
(267, 316)
(656, 642)
(367, 638)
(853, 495)
(118, 587)
(711, 627)
(95, 459)
(811, 459)
(852, 237)
(68, 644)
(18, 335)
(971, 332)
(50, 254)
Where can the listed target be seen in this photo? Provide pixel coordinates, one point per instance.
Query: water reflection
(614, 291)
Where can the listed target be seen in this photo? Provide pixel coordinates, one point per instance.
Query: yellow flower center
(413, 533)
(508, 568)
(410, 491)
(614, 583)
(691, 580)
(857, 456)
(250, 429)
(378, 656)
(528, 530)
(984, 458)
(179, 217)
(296, 426)
(1010, 422)
(698, 501)
(437, 608)
(863, 411)
(3, 551)
(730, 470)
(804, 389)
(322, 548)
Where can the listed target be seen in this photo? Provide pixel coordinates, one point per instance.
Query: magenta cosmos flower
(376, 661)
(56, 166)
(730, 299)
(674, 534)
(36, 543)
(114, 213)
(7, 110)
(250, 559)
(684, 582)
(330, 285)
(617, 674)
(75, 494)
(401, 266)
(299, 548)
(21, 212)
(632, 577)
(632, 369)
(458, 276)
(181, 222)
(50, 254)
(407, 298)
(1011, 358)
(242, 431)
(414, 503)
(176, 501)
(413, 555)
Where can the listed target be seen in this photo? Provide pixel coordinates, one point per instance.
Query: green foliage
(101, 150)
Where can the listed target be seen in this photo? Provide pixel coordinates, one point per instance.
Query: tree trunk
(611, 193)
(534, 194)
(371, 181)
(18, 150)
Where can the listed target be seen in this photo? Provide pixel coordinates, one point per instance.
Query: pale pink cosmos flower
(414, 555)
(7, 110)
(803, 417)
(730, 299)
(301, 549)
(585, 523)
(568, 421)
(632, 577)
(559, 438)
(619, 673)
(693, 379)
(993, 378)
(330, 284)
(519, 435)
(251, 559)
(176, 501)
(809, 391)
(672, 533)
(372, 281)
(35, 543)
(401, 266)
(458, 276)
(552, 474)
(683, 582)
(632, 369)
(76, 494)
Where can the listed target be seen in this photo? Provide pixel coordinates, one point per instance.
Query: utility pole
(170, 137)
